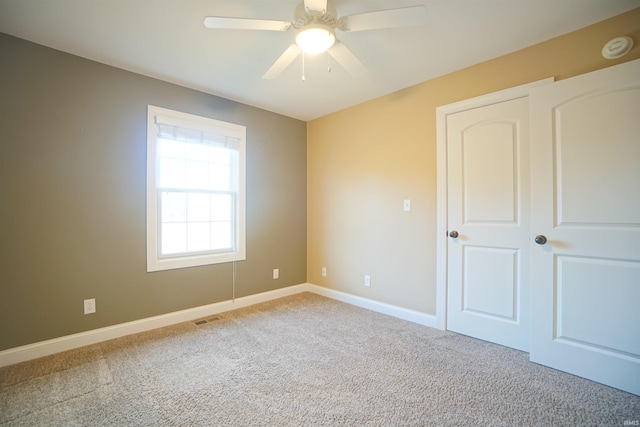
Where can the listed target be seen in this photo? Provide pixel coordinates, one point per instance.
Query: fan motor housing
(304, 17)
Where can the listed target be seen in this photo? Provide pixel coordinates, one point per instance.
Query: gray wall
(72, 197)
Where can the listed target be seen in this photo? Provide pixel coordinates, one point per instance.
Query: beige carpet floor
(303, 360)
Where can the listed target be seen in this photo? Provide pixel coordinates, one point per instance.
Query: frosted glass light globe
(315, 39)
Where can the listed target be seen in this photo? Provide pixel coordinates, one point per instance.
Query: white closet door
(488, 208)
(585, 153)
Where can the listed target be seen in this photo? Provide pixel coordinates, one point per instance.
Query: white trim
(441, 200)
(69, 342)
(56, 345)
(380, 307)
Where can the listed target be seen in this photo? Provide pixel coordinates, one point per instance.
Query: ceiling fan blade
(283, 62)
(403, 17)
(221, 22)
(347, 60)
(319, 6)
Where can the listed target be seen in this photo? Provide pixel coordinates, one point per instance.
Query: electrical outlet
(324, 271)
(367, 281)
(276, 273)
(90, 306)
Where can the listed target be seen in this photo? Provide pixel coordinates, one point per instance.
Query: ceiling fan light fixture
(315, 38)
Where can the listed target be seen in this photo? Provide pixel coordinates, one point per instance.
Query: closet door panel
(488, 207)
(585, 162)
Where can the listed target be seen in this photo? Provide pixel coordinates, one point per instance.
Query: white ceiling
(166, 39)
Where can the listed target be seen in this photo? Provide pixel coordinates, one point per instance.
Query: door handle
(540, 239)
(453, 234)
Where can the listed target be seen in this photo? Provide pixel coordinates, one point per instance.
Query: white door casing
(488, 197)
(585, 139)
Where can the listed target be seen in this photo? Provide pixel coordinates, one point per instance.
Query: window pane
(220, 178)
(220, 235)
(198, 235)
(171, 148)
(198, 207)
(220, 207)
(172, 173)
(219, 155)
(198, 152)
(174, 207)
(197, 175)
(174, 238)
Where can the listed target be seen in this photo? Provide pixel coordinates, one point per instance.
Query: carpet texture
(303, 360)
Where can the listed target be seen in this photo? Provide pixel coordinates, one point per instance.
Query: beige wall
(72, 197)
(363, 161)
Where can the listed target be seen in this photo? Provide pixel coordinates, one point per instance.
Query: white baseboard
(380, 307)
(69, 342)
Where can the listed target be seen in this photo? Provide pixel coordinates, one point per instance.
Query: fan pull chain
(328, 62)
(303, 79)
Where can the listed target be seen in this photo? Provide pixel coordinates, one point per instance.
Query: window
(195, 190)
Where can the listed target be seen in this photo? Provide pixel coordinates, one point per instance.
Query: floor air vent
(203, 321)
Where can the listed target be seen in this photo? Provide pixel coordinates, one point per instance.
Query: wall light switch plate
(324, 271)
(276, 273)
(407, 205)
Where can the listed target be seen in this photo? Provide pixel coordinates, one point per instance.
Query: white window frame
(156, 261)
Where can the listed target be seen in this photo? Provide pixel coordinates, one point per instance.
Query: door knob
(540, 239)
(453, 234)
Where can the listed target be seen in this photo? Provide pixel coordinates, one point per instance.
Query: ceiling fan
(316, 22)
